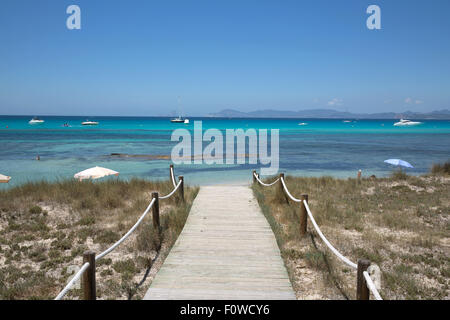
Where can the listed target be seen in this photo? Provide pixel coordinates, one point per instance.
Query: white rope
(115, 245)
(104, 253)
(369, 281)
(71, 282)
(173, 191)
(371, 286)
(288, 193)
(172, 177)
(265, 184)
(333, 249)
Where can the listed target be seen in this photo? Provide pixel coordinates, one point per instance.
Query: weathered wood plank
(226, 250)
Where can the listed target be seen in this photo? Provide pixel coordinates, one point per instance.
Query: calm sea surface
(322, 147)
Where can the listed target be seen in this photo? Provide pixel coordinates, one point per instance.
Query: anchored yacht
(404, 122)
(89, 123)
(36, 120)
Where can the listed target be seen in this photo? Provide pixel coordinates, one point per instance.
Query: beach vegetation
(439, 168)
(46, 226)
(399, 174)
(399, 223)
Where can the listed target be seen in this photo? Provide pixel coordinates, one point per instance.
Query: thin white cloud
(411, 100)
(335, 102)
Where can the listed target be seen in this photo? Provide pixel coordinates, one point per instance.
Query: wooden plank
(226, 250)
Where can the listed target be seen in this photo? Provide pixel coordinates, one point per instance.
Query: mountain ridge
(329, 114)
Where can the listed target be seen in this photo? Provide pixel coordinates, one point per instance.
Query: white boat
(404, 122)
(302, 124)
(89, 123)
(36, 120)
(179, 120)
(186, 121)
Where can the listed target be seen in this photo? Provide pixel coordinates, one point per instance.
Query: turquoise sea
(322, 147)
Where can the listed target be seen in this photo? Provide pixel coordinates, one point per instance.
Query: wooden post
(254, 178)
(181, 178)
(303, 215)
(362, 292)
(155, 210)
(282, 193)
(89, 291)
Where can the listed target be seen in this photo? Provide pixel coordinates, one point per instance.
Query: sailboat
(180, 118)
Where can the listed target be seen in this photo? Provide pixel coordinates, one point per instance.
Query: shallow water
(322, 147)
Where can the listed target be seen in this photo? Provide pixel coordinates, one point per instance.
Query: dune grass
(441, 169)
(45, 228)
(400, 223)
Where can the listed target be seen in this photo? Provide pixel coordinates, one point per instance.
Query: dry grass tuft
(45, 228)
(441, 168)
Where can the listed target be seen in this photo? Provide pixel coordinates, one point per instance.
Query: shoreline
(236, 177)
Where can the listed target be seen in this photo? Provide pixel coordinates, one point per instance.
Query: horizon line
(216, 117)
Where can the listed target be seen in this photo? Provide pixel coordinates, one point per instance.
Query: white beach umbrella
(4, 179)
(398, 162)
(95, 173)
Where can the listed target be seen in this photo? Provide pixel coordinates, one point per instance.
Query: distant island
(330, 114)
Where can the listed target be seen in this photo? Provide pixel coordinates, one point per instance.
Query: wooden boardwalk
(226, 250)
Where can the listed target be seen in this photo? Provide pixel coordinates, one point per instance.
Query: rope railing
(364, 281)
(264, 184)
(104, 253)
(372, 286)
(329, 245)
(89, 290)
(118, 242)
(288, 193)
(172, 176)
(75, 278)
(173, 191)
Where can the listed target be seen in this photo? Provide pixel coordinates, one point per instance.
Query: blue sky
(198, 56)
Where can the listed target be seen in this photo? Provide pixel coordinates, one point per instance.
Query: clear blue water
(322, 147)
